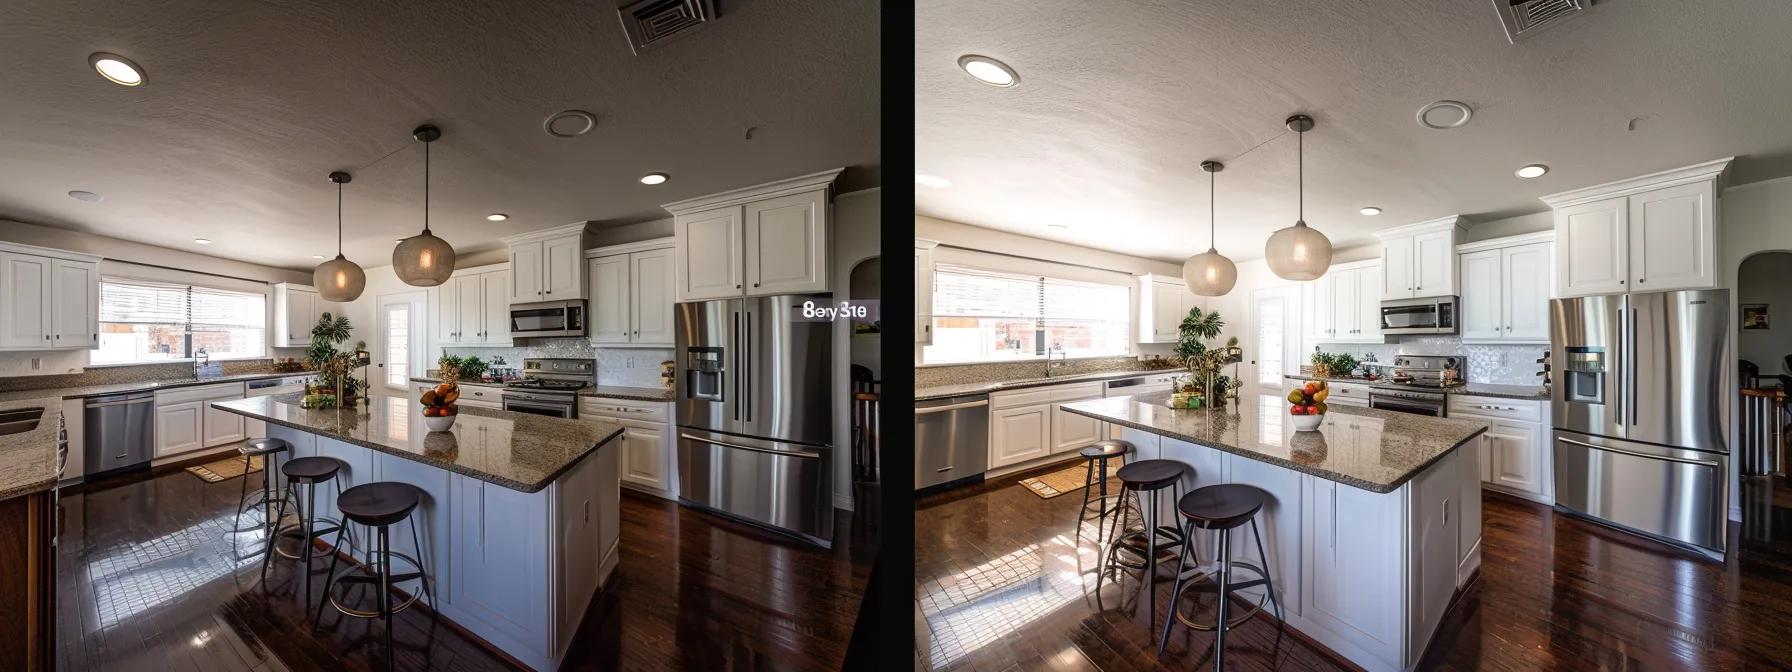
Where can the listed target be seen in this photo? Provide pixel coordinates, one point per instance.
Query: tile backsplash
(630, 367)
(1496, 364)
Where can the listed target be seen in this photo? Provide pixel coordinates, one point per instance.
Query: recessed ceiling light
(88, 196)
(317, 256)
(1533, 170)
(1444, 115)
(934, 181)
(655, 178)
(569, 123)
(989, 71)
(203, 241)
(1370, 211)
(497, 217)
(116, 69)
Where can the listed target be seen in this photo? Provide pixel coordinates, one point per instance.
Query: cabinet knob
(1620, 282)
(550, 291)
(1641, 280)
(737, 286)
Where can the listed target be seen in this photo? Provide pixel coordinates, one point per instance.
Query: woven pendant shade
(1299, 252)
(339, 280)
(424, 260)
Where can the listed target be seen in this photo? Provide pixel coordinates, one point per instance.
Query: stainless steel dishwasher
(951, 439)
(119, 432)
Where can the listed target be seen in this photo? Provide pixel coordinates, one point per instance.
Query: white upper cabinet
(1653, 233)
(473, 307)
(296, 311)
(548, 265)
(1419, 260)
(49, 299)
(759, 241)
(1344, 305)
(1163, 302)
(631, 294)
(1506, 289)
(787, 244)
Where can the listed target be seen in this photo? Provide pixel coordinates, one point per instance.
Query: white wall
(1762, 278)
(1753, 218)
(1511, 226)
(858, 231)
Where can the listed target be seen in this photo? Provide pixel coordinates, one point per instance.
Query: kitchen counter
(520, 451)
(1533, 392)
(145, 386)
(1371, 449)
(28, 459)
(944, 391)
(606, 391)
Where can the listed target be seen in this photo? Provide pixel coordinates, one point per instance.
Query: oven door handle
(561, 410)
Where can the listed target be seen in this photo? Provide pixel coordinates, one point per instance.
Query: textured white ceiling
(247, 106)
(1119, 102)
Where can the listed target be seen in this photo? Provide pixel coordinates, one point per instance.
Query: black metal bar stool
(308, 472)
(1144, 478)
(269, 450)
(1221, 508)
(1097, 455)
(379, 506)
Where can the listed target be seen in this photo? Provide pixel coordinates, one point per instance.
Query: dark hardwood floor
(1004, 583)
(151, 578)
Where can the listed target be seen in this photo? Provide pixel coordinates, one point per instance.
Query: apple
(1311, 388)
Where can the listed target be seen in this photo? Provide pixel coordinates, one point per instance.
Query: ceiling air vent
(651, 22)
(1522, 18)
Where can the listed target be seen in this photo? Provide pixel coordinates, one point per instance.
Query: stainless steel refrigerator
(755, 413)
(1640, 410)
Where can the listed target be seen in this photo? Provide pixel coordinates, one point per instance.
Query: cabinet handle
(737, 286)
(755, 284)
(1641, 280)
(1620, 282)
(550, 291)
(46, 337)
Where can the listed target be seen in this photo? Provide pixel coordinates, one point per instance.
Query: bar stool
(1222, 508)
(308, 472)
(1097, 455)
(1141, 479)
(380, 506)
(268, 449)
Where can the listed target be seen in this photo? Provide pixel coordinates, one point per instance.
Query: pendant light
(1299, 252)
(339, 280)
(1210, 273)
(424, 260)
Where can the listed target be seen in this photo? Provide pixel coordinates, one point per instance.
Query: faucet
(1062, 357)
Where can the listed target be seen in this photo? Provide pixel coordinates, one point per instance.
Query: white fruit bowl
(439, 423)
(1307, 423)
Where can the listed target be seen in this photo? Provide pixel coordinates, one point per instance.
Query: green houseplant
(1204, 363)
(334, 368)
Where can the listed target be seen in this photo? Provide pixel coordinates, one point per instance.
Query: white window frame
(186, 323)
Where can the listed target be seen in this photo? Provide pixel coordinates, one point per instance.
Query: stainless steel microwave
(1434, 315)
(547, 319)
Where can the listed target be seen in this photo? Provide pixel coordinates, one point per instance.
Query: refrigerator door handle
(789, 453)
(1630, 374)
(746, 334)
(1666, 458)
(739, 372)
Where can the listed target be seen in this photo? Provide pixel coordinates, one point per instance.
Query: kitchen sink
(20, 420)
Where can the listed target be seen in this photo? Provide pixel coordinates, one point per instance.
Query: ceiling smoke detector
(1524, 18)
(1444, 115)
(651, 22)
(569, 123)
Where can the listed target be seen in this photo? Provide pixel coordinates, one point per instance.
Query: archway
(864, 287)
(1764, 418)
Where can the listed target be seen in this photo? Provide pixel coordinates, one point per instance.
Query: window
(984, 316)
(142, 322)
(398, 344)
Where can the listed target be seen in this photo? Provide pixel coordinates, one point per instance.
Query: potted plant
(1204, 363)
(334, 383)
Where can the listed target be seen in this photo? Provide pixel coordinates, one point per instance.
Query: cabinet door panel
(650, 297)
(1319, 296)
(448, 312)
(75, 298)
(1368, 294)
(179, 428)
(1166, 316)
(709, 254)
(1019, 434)
(644, 458)
(470, 307)
(526, 268)
(1524, 292)
(1071, 431)
(1594, 240)
(563, 258)
(1350, 581)
(1396, 269)
(496, 306)
(25, 301)
(609, 305)
(1344, 304)
(1481, 296)
(787, 244)
(431, 516)
(1516, 462)
(501, 562)
(221, 427)
(1673, 238)
(1434, 257)
(302, 314)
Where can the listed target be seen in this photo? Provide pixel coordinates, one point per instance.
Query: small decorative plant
(334, 383)
(1334, 365)
(1204, 363)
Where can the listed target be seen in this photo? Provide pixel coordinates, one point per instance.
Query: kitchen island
(520, 517)
(1374, 521)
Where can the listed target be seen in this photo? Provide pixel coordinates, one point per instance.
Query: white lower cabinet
(185, 420)
(649, 460)
(179, 428)
(1019, 434)
(1071, 431)
(1030, 424)
(1513, 455)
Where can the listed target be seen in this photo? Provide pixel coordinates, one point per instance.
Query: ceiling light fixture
(339, 280)
(1370, 211)
(1299, 252)
(933, 181)
(569, 123)
(1533, 170)
(655, 178)
(1210, 273)
(88, 196)
(989, 71)
(202, 241)
(1444, 115)
(317, 256)
(497, 217)
(116, 69)
(424, 260)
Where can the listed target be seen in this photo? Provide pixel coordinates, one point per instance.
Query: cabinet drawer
(199, 393)
(1351, 391)
(481, 393)
(1030, 397)
(1495, 407)
(1077, 392)
(624, 409)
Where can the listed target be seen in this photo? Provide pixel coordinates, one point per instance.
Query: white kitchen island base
(517, 569)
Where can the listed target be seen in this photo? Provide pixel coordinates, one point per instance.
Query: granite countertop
(143, 386)
(1534, 392)
(959, 389)
(519, 451)
(605, 391)
(28, 459)
(479, 383)
(1365, 448)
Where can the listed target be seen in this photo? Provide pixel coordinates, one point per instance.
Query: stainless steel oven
(1417, 402)
(556, 319)
(551, 404)
(1434, 315)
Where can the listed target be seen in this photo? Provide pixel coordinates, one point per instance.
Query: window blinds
(140, 302)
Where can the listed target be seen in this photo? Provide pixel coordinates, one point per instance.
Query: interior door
(1275, 319)
(399, 354)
